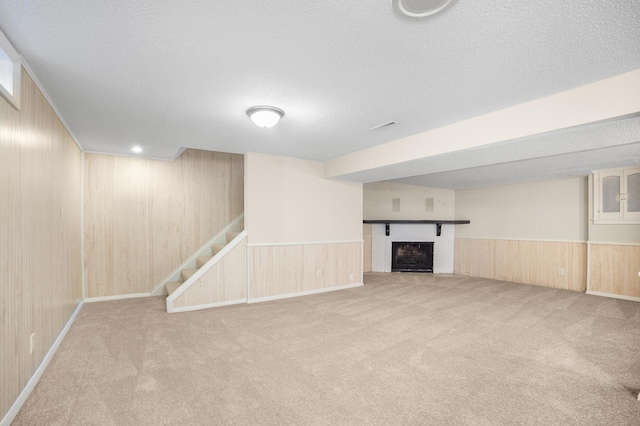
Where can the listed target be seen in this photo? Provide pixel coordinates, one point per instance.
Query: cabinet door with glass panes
(616, 196)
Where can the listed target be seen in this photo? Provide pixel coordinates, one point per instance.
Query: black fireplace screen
(412, 257)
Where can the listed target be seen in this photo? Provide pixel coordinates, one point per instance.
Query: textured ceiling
(568, 152)
(168, 74)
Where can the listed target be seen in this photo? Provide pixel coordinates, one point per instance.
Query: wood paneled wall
(143, 218)
(367, 252)
(224, 282)
(367, 249)
(614, 269)
(40, 235)
(289, 269)
(529, 262)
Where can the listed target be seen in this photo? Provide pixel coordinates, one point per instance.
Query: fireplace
(411, 256)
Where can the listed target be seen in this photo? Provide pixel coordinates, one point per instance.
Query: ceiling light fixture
(265, 116)
(136, 149)
(418, 9)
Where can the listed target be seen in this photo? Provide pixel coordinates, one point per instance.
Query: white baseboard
(171, 309)
(304, 293)
(116, 297)
(613, 295)
(33, 381)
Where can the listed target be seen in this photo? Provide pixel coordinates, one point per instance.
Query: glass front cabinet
(616, 196)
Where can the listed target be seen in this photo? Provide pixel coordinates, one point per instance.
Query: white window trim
(13, 96)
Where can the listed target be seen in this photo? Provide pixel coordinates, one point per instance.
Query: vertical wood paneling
(529, 262)
(367, 253)
(40, 266)
(224, 282)
(237, 185)
(143, 217)
(275, 270)
(614, 269)
(474, 257)
(285, 269)
(367, 250)
(314, 257)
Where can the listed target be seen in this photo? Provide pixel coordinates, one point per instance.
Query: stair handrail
(190, 263)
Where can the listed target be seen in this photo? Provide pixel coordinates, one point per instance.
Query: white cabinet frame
(615, 199)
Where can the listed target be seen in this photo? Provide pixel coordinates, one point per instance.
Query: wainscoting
(367, 240)
(367, 253)
(545, 263)
(292, 269)
(613, 269)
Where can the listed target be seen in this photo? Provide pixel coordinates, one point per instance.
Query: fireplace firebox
(412, 256)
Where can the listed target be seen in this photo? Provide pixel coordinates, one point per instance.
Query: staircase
(209, 253)
(201, 260)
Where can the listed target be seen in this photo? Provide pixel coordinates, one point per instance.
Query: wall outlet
(352, 277)
(560, 271)
(318, 273)
(61, 213)
(32, 343)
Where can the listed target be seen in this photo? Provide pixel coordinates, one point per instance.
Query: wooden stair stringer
(174, 304)
(236, 225)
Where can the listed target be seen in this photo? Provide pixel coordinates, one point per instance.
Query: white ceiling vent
(418, 9)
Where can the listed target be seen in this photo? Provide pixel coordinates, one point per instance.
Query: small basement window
(10, 71)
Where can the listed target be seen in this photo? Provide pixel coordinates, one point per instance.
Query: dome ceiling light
(265, 116)
(418, 9)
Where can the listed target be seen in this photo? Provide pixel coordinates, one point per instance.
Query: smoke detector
(418, 9)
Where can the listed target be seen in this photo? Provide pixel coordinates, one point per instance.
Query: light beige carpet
(405, 349)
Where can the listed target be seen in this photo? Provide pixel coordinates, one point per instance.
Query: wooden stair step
(215, 248)
(201, 260)
(171, 286)
(231, 235)
(186, 273)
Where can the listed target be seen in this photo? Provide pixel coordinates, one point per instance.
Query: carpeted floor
(405, 349)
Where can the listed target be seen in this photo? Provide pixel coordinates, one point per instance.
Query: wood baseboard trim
(33, 381)
(613, 295)
(303, 293)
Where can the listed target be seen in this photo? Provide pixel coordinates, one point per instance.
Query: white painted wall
(289, 200)
(442, 247)
(378, 199)
(552, 210)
